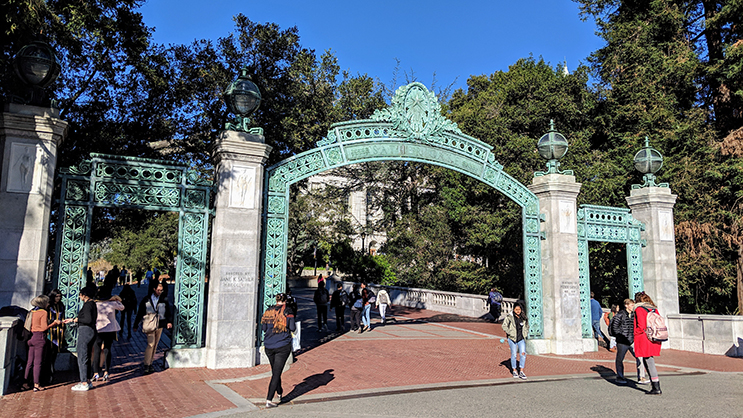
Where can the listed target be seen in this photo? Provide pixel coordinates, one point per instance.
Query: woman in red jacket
(645, 348)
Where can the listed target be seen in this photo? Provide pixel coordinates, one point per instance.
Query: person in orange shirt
(39, 326)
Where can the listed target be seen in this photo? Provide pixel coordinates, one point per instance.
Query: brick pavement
(421, 349)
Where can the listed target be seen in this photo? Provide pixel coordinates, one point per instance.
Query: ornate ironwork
(411, 129)
(137, 183)
(607, 224)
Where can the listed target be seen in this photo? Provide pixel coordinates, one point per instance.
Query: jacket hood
(644, 305)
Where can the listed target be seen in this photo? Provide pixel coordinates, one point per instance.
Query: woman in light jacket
(516, 327)
(107, 327)
(383, 301)
(645, 348)
(155, 302)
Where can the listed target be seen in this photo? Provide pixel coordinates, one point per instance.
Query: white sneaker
(82, 387)
(515, 375)
(522, 375)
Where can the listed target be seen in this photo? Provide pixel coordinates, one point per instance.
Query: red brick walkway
(422, 349)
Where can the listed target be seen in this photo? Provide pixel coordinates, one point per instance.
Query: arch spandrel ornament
(411, 129)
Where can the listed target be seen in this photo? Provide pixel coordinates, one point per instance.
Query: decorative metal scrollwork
(145, 184)
(607, 224)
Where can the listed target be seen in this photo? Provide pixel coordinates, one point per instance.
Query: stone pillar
(557, 195)
(235, 253)
(29, 137)
(653, 206)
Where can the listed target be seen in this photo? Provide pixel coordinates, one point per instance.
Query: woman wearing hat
(39, 325)
(86, 330)
(277, 324)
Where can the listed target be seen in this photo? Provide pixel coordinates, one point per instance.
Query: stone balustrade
(474, 306)
(709, 334)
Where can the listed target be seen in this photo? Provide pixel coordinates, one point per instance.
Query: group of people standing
(97, 327)
(360, 301)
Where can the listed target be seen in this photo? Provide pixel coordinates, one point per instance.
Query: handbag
(151, 321)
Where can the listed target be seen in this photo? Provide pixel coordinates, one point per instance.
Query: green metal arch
(411, 129)
(607, 224)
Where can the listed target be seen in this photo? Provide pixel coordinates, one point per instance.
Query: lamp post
(37, 66)
(243, 98)
(552, 146)
(648, 161)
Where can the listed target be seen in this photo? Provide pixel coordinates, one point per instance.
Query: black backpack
(322, 296)
(345, 301)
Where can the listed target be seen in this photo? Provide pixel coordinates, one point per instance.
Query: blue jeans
(519, 347)
(597, 330)
(366, 315)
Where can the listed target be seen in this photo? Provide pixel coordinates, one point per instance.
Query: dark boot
(655, 390)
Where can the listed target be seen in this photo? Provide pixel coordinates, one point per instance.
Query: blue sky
(453, 39)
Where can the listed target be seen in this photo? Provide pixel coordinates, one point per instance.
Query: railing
(709, 334)
(474, 306)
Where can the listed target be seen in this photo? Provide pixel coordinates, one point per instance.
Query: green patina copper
(411, 129)
(648, 161)
(607, 224)
(137, 183)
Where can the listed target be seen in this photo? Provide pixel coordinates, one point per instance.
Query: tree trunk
(720, 93)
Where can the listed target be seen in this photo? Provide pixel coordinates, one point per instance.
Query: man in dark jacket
(338, 300)
(622, 327)
(129, 300)
(322, 296)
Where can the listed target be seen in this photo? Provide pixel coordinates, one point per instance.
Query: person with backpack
(646, 322)
(596, 314)
(622, 328)
(339, 300)
(86, 329)
(608, 316)
(277, 324)
(321, 298)
(495, 298)
(383, 301)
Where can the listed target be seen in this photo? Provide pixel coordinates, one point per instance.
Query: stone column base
(590, 344)
(179, 358)
(230, 358)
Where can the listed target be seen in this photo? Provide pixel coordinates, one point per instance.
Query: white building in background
(361, 214)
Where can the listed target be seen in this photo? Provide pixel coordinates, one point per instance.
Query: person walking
(107, 326)
(495, 298)
(383, 301)
(516, 327)
(291, 302)
(357, 306)
(86, 330)
(39, 326)
(596, 314)
(338, 300)
(154, 303)
(607, 319)
(129, 300)
(321, 298)
(645, 348)
(55, 334)
(369, 298)
(277, 325)
(622, 326)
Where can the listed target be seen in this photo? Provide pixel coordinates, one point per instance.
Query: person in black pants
(129, 299)
(86, 333)
(338, 300)
(322, 296)
(277, 324)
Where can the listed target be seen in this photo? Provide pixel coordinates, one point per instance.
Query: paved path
(423, 364)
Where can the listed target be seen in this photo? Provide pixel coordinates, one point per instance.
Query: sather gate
(411, 129)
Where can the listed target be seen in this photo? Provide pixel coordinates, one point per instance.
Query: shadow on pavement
(309, 384)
